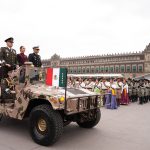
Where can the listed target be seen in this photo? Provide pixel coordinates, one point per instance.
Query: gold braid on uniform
(10, 84)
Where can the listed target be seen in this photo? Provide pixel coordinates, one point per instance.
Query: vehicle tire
(46, 125)
(91, 123)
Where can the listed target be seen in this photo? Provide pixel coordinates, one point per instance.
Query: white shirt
(124, 87)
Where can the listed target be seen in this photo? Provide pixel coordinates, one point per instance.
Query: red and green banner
(56, 77)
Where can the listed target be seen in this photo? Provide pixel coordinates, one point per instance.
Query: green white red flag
(56, 77)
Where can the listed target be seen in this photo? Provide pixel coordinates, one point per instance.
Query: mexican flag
(56, 77)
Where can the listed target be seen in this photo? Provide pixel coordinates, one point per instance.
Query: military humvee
(24, 94)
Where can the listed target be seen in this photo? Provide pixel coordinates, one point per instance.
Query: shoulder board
(14, 51)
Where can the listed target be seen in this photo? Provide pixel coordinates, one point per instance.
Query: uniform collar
(9, 48)
(35, 54)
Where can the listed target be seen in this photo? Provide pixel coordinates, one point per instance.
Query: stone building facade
(128, 64)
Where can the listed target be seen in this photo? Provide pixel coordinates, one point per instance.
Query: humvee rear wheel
(91, 123)
(46, 125)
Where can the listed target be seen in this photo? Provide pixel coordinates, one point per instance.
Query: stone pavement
(127, 128)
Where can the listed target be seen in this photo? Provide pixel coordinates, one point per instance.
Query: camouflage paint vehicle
(25, 95)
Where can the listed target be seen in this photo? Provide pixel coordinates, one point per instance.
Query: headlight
(61, 99)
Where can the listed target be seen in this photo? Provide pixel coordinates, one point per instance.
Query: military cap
(10, 40)
(36, 47)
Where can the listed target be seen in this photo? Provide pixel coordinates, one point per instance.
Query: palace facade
(129, 64)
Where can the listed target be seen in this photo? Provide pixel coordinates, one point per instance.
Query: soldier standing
(9, 58)
(134, 92)
(130, 91)
(35, 58)
(8, 55)
(141, 93)
(149, 90)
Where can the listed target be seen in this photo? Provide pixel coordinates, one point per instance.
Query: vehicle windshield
(37, 75)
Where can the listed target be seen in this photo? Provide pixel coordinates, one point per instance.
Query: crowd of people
(115, 91)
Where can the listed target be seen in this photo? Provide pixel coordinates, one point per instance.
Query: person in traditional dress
(118, 84)
(97, 90)
(113, 103)
(104, 89)
(108, 95)
(96, 85)
(124, 93)
(90, 84)
(81, 83)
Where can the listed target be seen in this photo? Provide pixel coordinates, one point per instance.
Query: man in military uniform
(9, 58)
(35, 58)
(141, 93)
(134, 91)
(146, 85)
(7, 55)
(149, 90)
(130, 85)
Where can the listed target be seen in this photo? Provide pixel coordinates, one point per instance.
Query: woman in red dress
(124, 93)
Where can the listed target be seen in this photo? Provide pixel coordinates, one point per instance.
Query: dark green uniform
(130, 85)
(134, 92)
(10, 57)
(149, 91)
(141, 94)
(146, 85)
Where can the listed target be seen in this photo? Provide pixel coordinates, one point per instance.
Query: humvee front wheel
(46, 125)
(91, 123)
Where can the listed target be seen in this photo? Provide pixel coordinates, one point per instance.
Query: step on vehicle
(27, 93)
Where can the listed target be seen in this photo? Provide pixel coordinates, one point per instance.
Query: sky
(72, 28)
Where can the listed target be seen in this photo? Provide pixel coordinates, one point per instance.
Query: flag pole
(66, 91)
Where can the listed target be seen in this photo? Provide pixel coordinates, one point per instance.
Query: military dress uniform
(10, 57)
(149, 91)
(130, 85)
(141, 94)
(35, 59)
(146, 85)
(134, 92)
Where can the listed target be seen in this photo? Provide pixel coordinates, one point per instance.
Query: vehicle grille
(76, 105)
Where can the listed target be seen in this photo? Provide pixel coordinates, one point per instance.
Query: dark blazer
(21, 58)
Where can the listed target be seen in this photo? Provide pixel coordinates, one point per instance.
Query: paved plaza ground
(127, 128)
